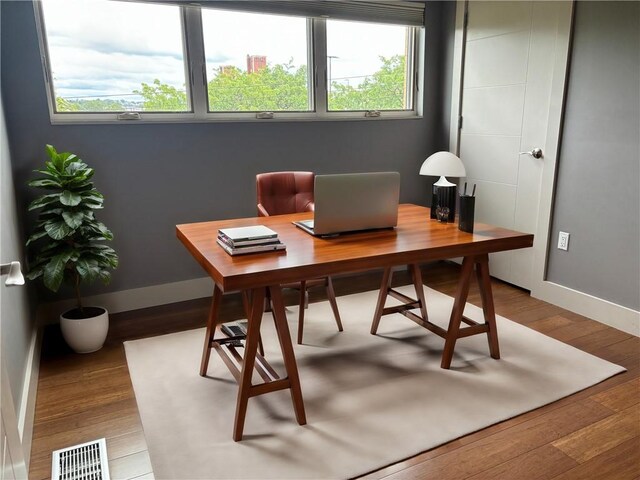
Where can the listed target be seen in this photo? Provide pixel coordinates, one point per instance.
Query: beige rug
(370, 400)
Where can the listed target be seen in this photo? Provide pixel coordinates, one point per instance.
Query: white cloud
(100, 47)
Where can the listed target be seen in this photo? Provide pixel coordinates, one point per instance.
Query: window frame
(101, 117)
(196, 81)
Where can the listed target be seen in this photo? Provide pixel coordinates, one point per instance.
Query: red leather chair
(279, 193)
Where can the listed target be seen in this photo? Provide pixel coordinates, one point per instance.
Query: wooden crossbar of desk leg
(409, 303)
(241, 367)
(478, 263)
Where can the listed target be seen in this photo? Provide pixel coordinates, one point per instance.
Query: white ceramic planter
(85, 335)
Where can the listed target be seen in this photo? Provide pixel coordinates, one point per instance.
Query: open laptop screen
(355, 201)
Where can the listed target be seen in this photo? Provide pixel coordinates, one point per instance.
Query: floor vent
(81, 462)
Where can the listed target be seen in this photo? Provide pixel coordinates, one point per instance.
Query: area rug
(370, 400)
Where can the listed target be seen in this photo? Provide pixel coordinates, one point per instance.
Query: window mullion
(419, 87)
(410, 61)
(44, 57)
(196, 65)
(320, 65)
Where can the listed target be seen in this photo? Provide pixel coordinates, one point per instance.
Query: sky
(102, 48)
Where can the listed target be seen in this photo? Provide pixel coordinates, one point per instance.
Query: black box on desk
(444, 196)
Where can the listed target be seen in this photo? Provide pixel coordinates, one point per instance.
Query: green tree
(64, 105)
(279, 88)
(83, 105)
(284, 87)
(160, 97)
(384, 90)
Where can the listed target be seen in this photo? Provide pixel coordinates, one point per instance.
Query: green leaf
(51, 210)
(92, 194)
(87, 269)
(40, 262)
(75, 168)
(78, 183)
(51, 152)
(46, 172)
(105, 276)
(53, 170)
(51, 250)
(66, 159)
(89, 197)
(44, 200)
(54, 271)
(106, 233)
(58, 230)
(35, 237)
(73, 219)
(34, 273)
(94, 206)
(70, 199)
(44, 183)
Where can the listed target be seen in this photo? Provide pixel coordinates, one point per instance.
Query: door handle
(14, 275)
(535, 153)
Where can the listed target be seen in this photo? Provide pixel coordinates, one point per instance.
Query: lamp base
(444, 196)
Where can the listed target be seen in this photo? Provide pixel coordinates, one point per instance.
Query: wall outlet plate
(563, 240)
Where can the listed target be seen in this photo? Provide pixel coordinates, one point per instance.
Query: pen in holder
(467, 210)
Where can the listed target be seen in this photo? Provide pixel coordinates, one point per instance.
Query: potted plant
(69, 244)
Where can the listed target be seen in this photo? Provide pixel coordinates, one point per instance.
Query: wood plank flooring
(593, 434)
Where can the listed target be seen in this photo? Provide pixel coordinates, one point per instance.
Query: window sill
(151, 118)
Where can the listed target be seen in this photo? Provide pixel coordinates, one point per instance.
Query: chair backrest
(279, 193)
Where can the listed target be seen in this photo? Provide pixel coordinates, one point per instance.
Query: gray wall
(155, 176)
(17, 320)
(597, 199)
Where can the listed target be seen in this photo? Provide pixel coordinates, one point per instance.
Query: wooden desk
(415, 240)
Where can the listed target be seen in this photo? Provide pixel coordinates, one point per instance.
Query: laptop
(353, 202)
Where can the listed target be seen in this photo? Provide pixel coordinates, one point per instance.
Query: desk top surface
(416, 239)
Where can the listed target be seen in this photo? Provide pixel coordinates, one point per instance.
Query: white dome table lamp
(443, 164)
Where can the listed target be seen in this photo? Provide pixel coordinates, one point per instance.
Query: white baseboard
(137, 298)
(134, 299)
(606, 312)
(603, 311)
(27, 409)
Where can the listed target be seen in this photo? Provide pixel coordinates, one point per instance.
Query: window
(113, 60)
(367, 66)
(107, 56)
(255, 62)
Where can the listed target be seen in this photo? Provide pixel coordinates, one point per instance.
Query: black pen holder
(467, 211)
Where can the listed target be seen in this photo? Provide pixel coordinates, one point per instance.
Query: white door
(509, 56)
(12, 458)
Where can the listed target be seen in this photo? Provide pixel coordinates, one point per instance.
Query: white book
(252, 248)
(243, 234)
(245, 243)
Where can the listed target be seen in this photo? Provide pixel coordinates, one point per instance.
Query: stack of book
(241, 240)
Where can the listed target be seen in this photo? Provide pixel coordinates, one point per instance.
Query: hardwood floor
(593, 434)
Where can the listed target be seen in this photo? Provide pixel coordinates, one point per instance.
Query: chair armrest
(262, 212)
